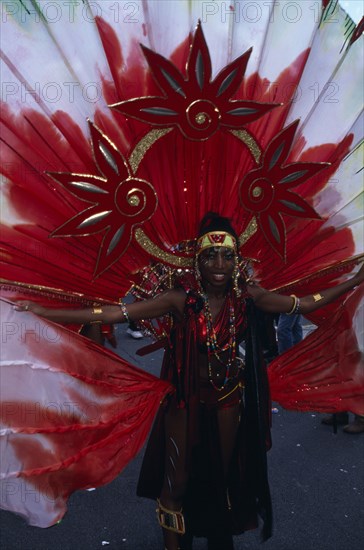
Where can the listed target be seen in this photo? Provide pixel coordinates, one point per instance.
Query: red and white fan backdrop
(91, 193)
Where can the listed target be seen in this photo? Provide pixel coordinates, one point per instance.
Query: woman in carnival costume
(206, 459)
(187, 133)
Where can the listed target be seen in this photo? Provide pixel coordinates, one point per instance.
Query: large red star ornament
(266, 191)
(118, 201)
(196, 105)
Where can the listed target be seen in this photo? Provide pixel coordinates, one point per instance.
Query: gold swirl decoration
(203, 117)
(133, 196)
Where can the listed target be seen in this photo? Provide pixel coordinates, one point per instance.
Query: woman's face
(216, 266)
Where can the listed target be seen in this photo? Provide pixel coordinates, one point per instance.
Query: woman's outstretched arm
(171, 301)
(277, 303)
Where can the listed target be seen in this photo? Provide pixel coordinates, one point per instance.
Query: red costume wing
(334, 380)
(87, 415)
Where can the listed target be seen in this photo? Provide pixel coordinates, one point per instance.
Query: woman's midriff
(215, 391)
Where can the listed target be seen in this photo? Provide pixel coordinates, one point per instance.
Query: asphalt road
(317, 483)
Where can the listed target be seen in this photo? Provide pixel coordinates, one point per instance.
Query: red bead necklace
(213, 348)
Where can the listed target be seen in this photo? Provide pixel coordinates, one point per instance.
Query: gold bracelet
(294, 304)
(124, 312)
(97, 310)
(317, 297)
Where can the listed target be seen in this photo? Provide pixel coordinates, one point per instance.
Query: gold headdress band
(214, 239)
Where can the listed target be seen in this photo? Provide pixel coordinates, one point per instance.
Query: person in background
(354, 427)
(289, 331)
(134, 331)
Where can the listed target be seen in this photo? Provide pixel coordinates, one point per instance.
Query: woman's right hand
(25, 305)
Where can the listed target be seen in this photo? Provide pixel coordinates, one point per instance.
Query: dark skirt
(212, 503)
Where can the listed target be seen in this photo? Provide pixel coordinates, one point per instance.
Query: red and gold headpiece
(214, 239)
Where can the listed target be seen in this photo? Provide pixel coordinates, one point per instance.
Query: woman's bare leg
(228, 422)
(175, 480)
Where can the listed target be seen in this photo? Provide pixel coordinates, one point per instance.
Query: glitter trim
(154, 250)
(54, 293)
(248, 232)
(250, 142)
(144, 145)
(325, 271)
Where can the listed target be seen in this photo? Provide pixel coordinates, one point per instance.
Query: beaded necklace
(213, 348)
